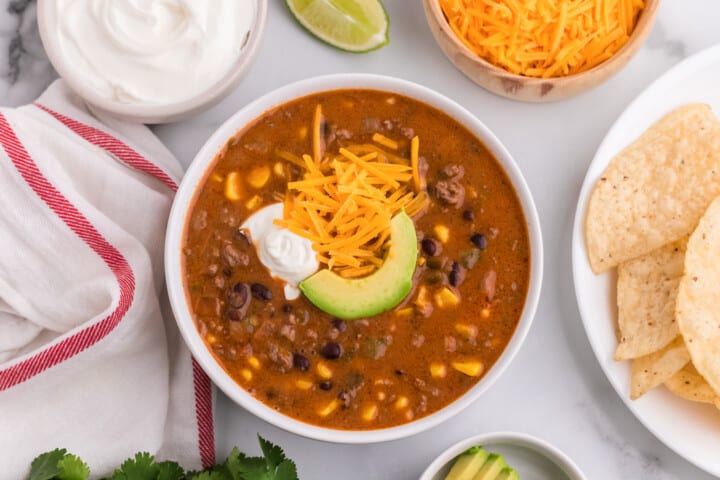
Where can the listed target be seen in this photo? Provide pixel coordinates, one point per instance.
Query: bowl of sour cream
(151, 61)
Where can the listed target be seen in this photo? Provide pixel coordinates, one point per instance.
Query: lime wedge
(351, 25)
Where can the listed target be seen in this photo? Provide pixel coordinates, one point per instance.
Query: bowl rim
(542, 447)
(205, 159)
(637, 37)
(143, 112)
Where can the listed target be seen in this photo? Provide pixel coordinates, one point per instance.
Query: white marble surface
(554, 388)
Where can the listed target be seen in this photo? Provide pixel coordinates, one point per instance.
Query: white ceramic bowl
(531, 457)
(47, 13)
(204, 159)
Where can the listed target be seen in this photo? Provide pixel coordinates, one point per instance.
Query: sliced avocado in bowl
(382, 290)
(468, 464)
(476, 463)
(494, 464)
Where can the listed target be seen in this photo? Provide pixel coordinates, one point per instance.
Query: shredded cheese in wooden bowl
(543, 38)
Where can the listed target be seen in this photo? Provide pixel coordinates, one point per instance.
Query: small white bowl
(47, 12)
(205, 159)
(532, 458)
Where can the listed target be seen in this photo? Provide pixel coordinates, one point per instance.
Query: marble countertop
(554, 388)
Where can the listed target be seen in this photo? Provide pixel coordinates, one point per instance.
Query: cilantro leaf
(209, 475)
(45, 466)
(170, 471)
(272, 466)
(72, 468)
(286, 470)
(139, 468)
(273, 454)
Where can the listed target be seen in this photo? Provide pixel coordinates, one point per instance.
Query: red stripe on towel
(203, 415)
(82, 227)
(113, 146)
(129, 156)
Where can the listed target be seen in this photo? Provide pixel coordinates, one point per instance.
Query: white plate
(531, 457)
(690, 429)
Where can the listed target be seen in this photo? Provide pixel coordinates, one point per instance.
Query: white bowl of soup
(354, 258)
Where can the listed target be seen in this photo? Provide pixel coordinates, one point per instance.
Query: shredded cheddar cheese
(344, 202)
(543, 38)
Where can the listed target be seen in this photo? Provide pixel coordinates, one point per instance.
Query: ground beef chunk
(450, 192)
(234, 257)
(452, 172)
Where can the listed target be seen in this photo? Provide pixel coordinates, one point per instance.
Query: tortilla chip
(655, 191)
(689, 384)
(698, 304)
(646, 291)
(652, 370)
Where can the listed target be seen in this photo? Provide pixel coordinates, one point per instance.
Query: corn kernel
(421, 261)
(404, 312)
(254, 362)
(323, 371)
(422, 297)
(253, 203)
(258, 176)
(279, 169)
(466, 330)
(303, 133)
(402, 402)
(381, 396)
(445, 298)
(470, 192)
(233, 189)
(438, 370)
(246, 374)
(485, 313)
(329, 408)
(471, 368)
(216, 178)
(210, 338)
(370, 413)
(303, 384)
(442, 233)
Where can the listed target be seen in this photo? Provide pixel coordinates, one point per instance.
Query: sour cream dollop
(153, 51)
(288, 256)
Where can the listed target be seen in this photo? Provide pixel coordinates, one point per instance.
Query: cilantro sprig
(58, 464)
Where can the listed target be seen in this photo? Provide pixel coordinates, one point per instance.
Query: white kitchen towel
(87, 361)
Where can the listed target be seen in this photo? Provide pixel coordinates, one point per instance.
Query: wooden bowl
(530, 89)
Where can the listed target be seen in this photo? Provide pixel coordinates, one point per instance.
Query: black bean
(339, 324)
(227, 272)
(457, 274)
(479, 240)
(242, 236)
(468, 215)
(398, 371)
(300, 362)
(325, 385)
(431, 246)
(331, 350)
(287, 308)
(261, 292)
(238, 295)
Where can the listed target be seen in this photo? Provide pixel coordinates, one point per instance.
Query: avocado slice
(382, 290)
(508, 473)
(468, 464)
(491, 469)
